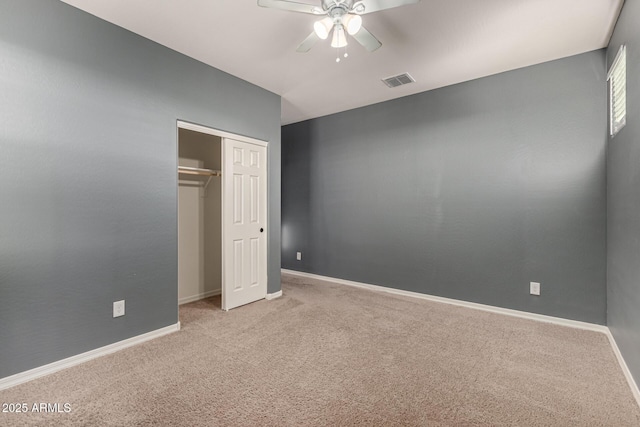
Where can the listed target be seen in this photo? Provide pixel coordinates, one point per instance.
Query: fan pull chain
(346, 55)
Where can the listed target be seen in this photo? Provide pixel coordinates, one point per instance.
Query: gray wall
(468, 192)
(88, 181)
(623, 201)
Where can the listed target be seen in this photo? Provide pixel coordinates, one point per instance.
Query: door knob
(261, 230)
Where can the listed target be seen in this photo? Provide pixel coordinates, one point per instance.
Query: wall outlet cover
(299, 256)
(534, 288)
(118, 308)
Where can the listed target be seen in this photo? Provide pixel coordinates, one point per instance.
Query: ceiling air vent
(399, 80)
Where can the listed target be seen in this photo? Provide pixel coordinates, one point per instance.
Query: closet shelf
(209, 173)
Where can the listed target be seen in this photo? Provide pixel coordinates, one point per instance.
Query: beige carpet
(327, 354)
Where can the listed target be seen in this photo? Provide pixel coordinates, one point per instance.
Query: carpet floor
(327, 354)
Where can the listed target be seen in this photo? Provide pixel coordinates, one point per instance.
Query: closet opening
(222, 217)
(199, 216)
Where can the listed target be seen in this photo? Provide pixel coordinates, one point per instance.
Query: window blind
(618, 91)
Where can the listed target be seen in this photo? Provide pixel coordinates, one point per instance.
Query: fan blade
(292, 6)
(308, 43)
(369, 6)
(366, 39)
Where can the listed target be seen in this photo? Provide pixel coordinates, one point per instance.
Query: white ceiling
(438, 42)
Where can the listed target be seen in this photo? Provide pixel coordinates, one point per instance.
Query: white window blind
(618, 91)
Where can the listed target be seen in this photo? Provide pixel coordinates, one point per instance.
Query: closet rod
(198, 171)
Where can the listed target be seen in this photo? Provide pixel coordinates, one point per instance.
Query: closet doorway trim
(220, 133)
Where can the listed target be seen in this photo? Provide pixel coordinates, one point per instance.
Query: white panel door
(244, 178)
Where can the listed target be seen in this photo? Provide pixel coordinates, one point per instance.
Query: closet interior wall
(199, 218)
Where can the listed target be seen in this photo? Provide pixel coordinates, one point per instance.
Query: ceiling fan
(342, 16)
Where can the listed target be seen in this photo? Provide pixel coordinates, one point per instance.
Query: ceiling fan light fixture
(341, 16)
(353, 23)
(339, 37)
(322, 28)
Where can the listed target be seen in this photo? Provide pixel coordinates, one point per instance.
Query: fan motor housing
(337, 5)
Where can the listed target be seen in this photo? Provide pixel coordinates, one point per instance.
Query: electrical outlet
(534, 288)
(299, 256)
(118, 308)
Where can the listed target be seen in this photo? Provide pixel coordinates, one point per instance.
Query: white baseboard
(476, 306)
(41, 371)
(515, 313)
(625, 369)
(198, 297)
(274, 295)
